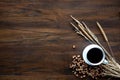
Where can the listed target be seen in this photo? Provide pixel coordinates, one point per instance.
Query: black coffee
(95, 55)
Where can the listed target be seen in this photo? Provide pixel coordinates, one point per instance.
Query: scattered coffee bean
(73, 46)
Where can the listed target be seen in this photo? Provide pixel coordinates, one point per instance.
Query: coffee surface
(95, 55)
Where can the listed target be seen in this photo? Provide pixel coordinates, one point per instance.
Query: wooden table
(36, 38)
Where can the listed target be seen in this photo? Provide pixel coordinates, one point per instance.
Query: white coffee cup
(94, 55)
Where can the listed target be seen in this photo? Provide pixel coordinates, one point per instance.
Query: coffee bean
(81, 69)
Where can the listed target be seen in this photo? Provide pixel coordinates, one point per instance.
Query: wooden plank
(36, 38)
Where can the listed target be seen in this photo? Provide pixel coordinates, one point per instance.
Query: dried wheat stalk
(111, 69)
(105, 37)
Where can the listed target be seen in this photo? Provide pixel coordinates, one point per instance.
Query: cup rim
(85, 52)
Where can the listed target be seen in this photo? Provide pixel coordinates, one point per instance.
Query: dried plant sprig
(86, 33)
(90, 32)
(111, 69)
(83, 30)
(105, 37)
(78, 31)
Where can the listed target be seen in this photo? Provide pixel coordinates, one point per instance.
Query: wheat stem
(105, 37)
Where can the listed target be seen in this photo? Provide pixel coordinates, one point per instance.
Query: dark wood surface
(36, 38)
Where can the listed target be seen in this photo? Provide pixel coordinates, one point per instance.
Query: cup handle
(105, 62)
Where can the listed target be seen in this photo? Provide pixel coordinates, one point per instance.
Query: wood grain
(36, 38)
